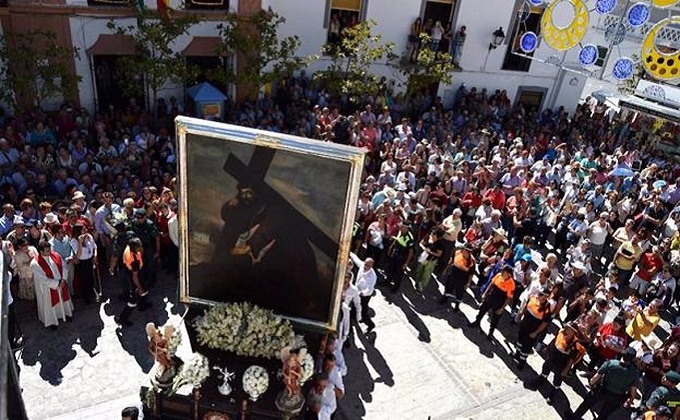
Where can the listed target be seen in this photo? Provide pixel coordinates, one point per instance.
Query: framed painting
(265, 218)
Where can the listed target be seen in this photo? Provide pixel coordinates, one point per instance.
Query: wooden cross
(254, 175)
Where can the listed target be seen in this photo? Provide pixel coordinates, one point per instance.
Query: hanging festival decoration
(564, 38)
(617, 20)
(664, 66)
(588, 55)
(638, 14)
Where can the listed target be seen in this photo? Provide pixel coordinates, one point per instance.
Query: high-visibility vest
(130, 257)
(403, 240)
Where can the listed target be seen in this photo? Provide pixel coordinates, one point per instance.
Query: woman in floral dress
(21, 264)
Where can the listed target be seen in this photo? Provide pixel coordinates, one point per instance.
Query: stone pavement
(421, 362)
(88, 369)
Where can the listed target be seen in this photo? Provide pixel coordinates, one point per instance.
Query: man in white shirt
(321, 399)
(335, 382)
(334, 346)
(365, 282)
(350, 296)
(52, 297)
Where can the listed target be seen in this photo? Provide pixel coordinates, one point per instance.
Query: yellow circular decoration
(568, 37)
(660, 65)
(664, 3)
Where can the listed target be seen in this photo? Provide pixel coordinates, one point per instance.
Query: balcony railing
(668, 34)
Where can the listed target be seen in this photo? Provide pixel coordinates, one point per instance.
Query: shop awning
(650, 108)
(202, 46)
(113, 44)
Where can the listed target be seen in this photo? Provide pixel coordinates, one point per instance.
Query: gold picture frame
(265, 217)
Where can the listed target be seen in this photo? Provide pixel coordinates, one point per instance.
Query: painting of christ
(265, 218)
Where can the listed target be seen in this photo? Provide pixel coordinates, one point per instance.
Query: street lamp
(497, 38)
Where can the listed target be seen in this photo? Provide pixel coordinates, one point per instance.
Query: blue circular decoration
(535, 2)
(605, 6)
(615, 33)
(588, 55)
(623, 68)
(528, 42)
(638, 14)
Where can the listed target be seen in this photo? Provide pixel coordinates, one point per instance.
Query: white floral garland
(306, 368)
(195, 370)
(245, 329)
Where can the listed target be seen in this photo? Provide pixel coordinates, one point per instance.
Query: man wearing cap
(18, 230)
(661, 413)
(147, 232)
(613, 384)
(458, 275)
(399, 255)
(495, 298)
(667, 394)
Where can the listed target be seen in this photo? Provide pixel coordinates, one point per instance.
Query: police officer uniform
(611, 385)
(458, 275)
(132, 263)
(535, 318)
(399, 254)
(667, 394)
(147, 232)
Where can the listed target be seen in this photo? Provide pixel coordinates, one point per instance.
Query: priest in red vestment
(51, 289)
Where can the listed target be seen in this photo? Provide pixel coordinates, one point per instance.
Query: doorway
(109, 89)
(439, 10)
(531, 97)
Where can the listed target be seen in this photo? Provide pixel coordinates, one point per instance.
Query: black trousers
(455, 282)
(610, 403)
(395, 269)
(492, 305)
(85, 274)
(365, 316)
(13, 328)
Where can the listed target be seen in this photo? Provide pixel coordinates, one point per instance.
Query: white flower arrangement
(245, 329)
(174, 341)
(255, 381)
(306, 365)
(195, 370)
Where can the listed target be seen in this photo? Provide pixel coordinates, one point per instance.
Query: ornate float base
(162, 380)
(289, 406)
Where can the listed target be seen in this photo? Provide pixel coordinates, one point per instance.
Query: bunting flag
(163, 8)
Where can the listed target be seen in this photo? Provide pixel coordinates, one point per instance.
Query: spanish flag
(163, 8)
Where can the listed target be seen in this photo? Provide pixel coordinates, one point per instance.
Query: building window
(207, 4)
(342, 14)
(109, 2)
(525, 20)
(438, 10)
(601, 54)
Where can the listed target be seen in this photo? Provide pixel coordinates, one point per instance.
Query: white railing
(667, 33)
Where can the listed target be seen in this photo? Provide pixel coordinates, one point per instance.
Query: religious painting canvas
(265, 218)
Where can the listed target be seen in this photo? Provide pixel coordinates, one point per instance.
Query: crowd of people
(565, 225)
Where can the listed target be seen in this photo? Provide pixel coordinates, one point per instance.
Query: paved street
(420, 362)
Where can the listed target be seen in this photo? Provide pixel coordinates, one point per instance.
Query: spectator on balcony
(436, 36)
(457, 45)
(414, 39)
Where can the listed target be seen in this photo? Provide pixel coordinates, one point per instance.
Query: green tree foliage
(349, 72)
(255, 41)
(430, 69)
(156, 62)
(35, 67)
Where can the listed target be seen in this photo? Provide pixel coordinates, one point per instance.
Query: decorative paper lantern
(588, 55)
(638, 14)
(623, 68)
(528, 42)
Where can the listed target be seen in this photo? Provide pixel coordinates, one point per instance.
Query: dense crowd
(566, 225)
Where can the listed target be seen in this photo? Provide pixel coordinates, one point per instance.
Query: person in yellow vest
(458, 275)
(132, 264)
(534, 318)
(495, 298)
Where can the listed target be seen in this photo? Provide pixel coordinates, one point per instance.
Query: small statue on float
(290, 400)
(225, 389)
(163, 350)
